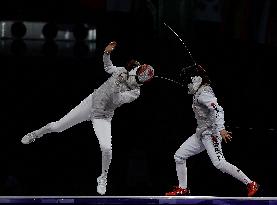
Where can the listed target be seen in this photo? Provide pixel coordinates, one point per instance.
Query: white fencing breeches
(102, 128)
(77, 115)
(212, 144)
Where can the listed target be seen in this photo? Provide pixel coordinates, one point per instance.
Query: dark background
(236, 40)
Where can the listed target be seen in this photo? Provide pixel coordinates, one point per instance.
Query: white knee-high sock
(106, 161)
(181, 170)
(235, 172)
(44, 130)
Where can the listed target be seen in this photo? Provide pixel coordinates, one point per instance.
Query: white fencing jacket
(209, 115)
(114, 92)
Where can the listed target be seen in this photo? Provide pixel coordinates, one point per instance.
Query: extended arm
(108, 65)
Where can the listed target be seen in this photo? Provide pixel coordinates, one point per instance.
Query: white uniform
(113, 93)
(99, 107)
(210, 121)
(102, 103)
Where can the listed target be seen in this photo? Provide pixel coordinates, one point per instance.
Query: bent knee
(179, 160)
